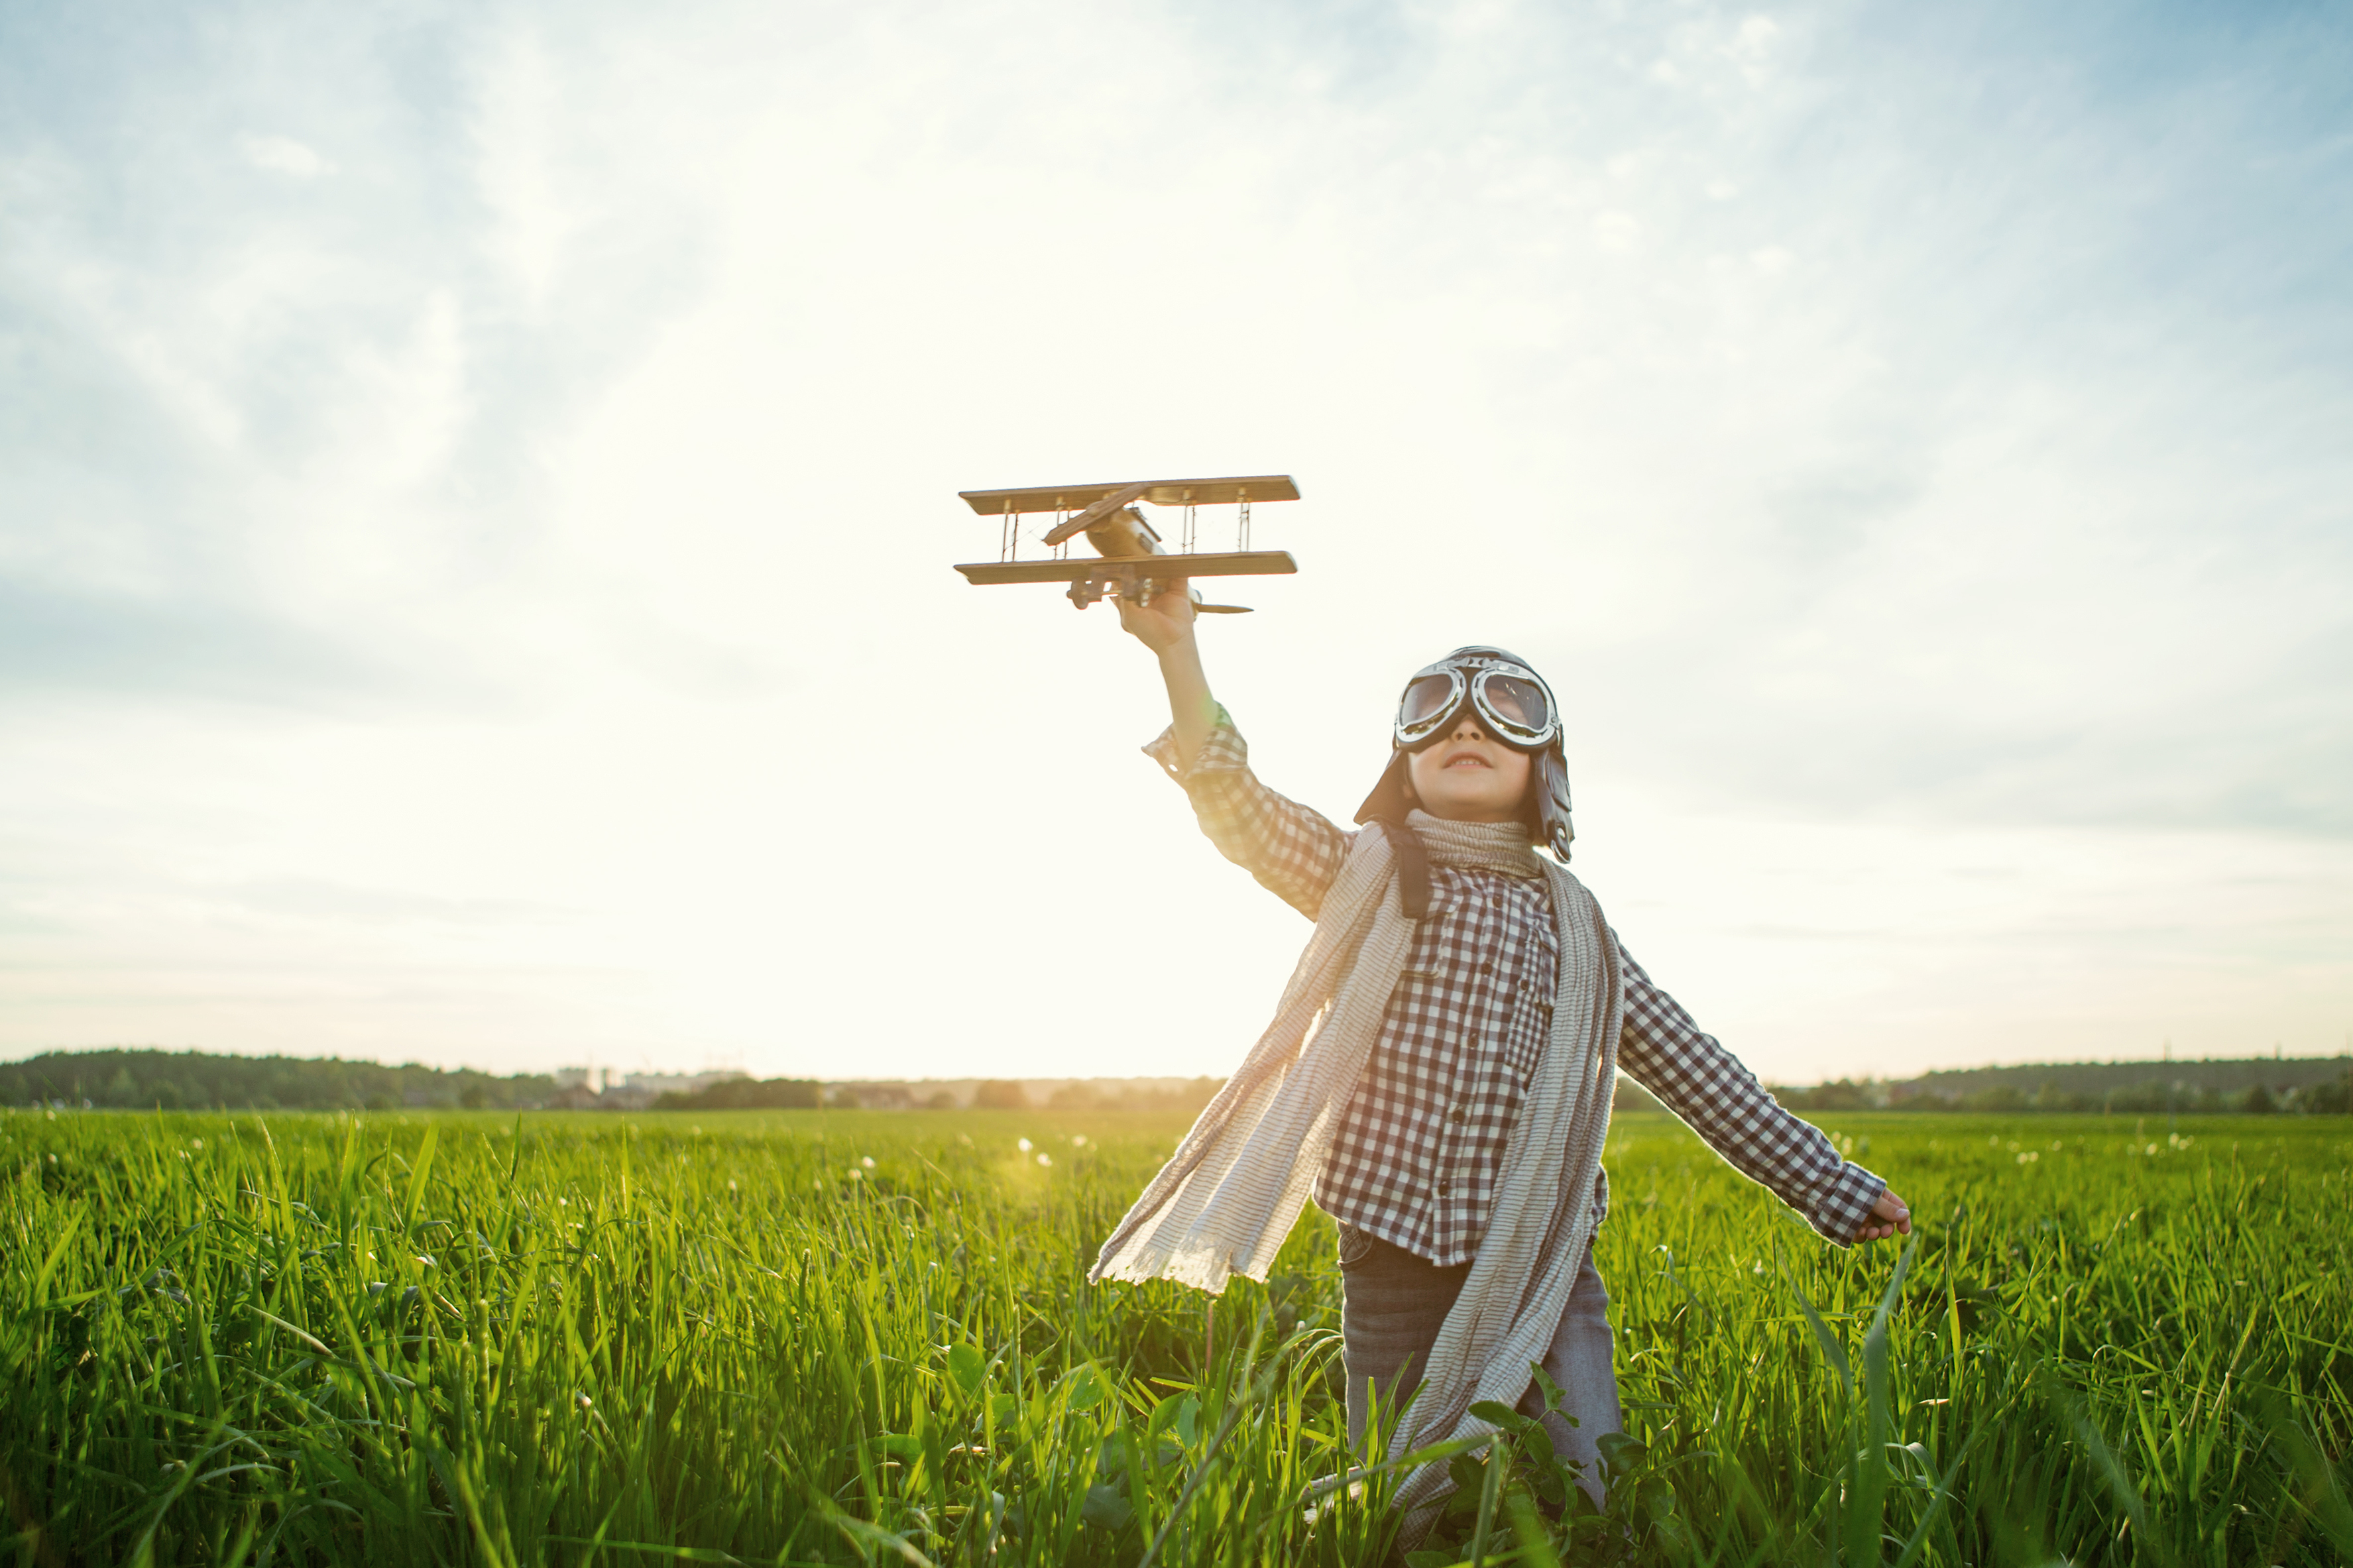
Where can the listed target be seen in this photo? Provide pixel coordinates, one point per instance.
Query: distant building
(661, 1083)
(600, 1089)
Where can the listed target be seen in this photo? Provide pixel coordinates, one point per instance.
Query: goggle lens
(1426, 701)
(1516, 702)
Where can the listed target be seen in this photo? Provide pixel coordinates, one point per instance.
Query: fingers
(1151, 624)
(1166, 619)
(1890, 1215)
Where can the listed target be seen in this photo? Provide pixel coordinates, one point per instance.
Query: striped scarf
(1225, 1202)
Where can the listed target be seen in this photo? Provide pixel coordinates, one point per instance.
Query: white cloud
(1752, 45)
(283, 155)
(516, 124)
(1616, 231)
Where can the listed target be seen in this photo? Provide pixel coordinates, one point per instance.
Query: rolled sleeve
(1292, 850)
(1225, 752)
(1709, 1087)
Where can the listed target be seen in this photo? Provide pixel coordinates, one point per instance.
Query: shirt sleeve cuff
(1846, 1203)
(1223, 753)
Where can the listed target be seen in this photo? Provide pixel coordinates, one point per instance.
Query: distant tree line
(196, 1080)
(1009, 1094)
(749, 1094)
(2149, 1096)
(1188, 1099)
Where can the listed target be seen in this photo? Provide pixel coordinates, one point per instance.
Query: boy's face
(1467, 777)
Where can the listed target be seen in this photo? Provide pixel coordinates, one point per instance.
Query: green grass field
(847, 1337)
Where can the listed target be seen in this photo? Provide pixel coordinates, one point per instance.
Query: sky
(478, 486)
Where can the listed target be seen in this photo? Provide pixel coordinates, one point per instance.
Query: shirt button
(1486, 969)
(1455, 1114)
(1444, 1188)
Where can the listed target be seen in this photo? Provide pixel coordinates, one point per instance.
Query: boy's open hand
(1164, 622)
(1888, 1217)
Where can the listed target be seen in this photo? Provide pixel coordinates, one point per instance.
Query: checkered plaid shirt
(1418, 1156)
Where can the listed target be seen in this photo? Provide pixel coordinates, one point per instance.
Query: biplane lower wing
(1133, 568)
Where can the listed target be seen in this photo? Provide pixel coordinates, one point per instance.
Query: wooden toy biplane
(1129, 559)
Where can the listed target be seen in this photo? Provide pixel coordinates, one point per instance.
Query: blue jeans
(1393, 1306)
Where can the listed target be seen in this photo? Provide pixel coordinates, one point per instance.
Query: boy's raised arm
(1166, 626)
(1293, 850)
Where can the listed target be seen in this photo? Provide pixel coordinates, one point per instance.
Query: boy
(1440, 1072)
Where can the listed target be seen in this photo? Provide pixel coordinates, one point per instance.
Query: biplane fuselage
(1129, 558)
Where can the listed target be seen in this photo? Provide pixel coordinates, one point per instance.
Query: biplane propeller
(1129, 559)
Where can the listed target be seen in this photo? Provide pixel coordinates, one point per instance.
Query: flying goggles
(1510, 702)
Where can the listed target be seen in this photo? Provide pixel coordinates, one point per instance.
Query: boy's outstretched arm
(1709, 1088)
(1166, 626)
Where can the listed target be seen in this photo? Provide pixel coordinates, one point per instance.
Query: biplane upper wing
(1159, 493)
(1113, 568)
